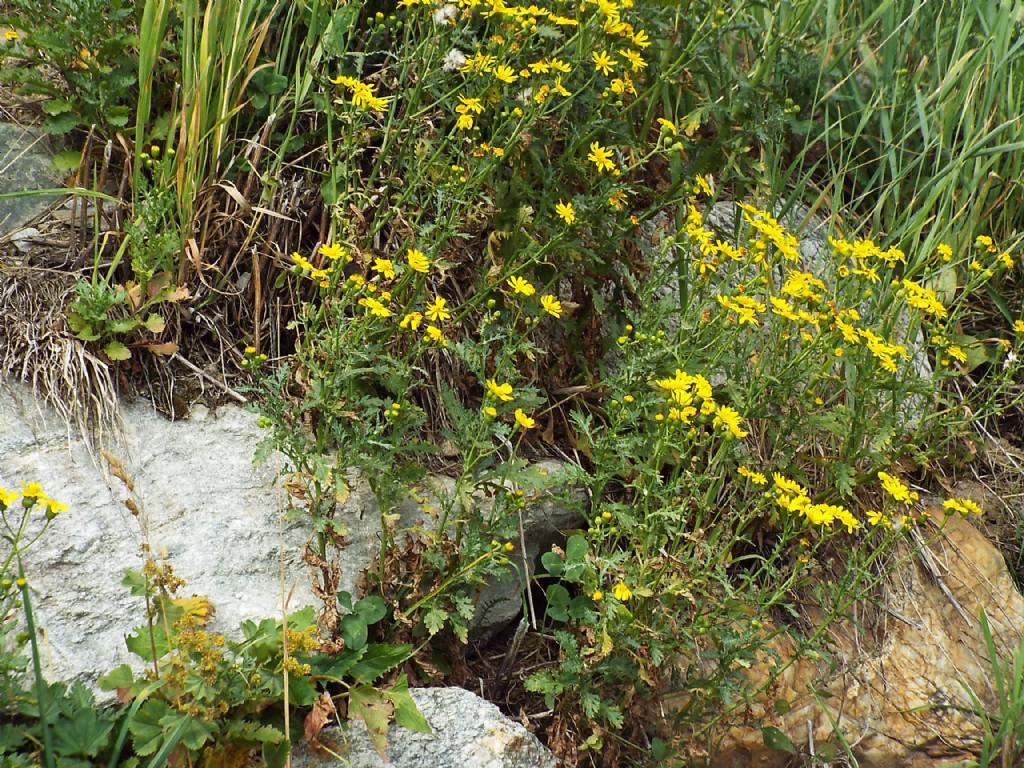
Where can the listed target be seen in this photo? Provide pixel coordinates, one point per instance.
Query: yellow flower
(54, 507)
(333, 251)
(924, 299)
(490, 410)
(896, 489)
(945, 251)
(523, 420)
(418, 261)
(411, 320)
(501, 392)
(636, 61)
(7, 497)
(730, 421)
(376, 308)
(785, 485)
(1018, 326)
(551, 305)
(876, 518)
(963, 506)
(1006, 259)
(601, 157)
(384, 267)
(597, 596)
(436, 335)
(10, 34)
(464, 123)
(466, 106)
(505, 74)
(521, 286)
(603, 62)
(565, 212)
(640, 39)
(437, 310)
(755, 477)
(32, 491)
(668, 125)
(621, 592)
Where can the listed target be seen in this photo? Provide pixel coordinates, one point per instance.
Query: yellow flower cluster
(688, 396)
(363, 95)
(793, 497)
(31, 495)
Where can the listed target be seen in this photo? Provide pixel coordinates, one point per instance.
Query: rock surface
(900, 698)
(25, 166)
(216, 515)
(468, 733)
(202, 501)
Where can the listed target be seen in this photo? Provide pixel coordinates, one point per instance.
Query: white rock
(217, 516)
(468, 732)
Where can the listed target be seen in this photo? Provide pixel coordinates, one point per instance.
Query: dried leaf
(319, 716)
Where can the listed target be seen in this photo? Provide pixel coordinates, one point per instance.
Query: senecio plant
(533, 259)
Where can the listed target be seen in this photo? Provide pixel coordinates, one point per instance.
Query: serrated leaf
(115, 350)
(122, 325)
(68, 160)
(119, 677)
(145, 728)
(407, 714)
(81, 735)
(155, 323)
(61, 123)
(379, 659)
(434, 620)
(369, 705)
(56, 106)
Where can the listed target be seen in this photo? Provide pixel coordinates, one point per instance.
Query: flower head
(521, 286)
(501, 392)
(418, 261)
(334, 251)
(621, 592)
(601, 157)
(566, 212)
(523, 420)
(551, 305)
(603, 62)
(438, 310)
(384, 267)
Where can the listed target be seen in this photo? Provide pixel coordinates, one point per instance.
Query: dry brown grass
(37, 347)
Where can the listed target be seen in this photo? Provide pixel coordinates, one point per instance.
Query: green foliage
(89, 45)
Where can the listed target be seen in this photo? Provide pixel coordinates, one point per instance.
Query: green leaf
(575, 549)
(369, 705)
(118, 116)
(68, 160)
(115, 350)
(255, 733)
(122, 325)
(61, 123)
(145, 728)
(776, 739)
(434, 620)
(552, 562)
(155, 323)
(194, 731)
(81, 735)
(558, 602)
(56, 106)
(372, 609)
(119, 677)
(407, 714)
(379, 659)
(353, 631)
(276, 755)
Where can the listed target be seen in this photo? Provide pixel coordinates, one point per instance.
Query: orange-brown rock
(899, 693)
